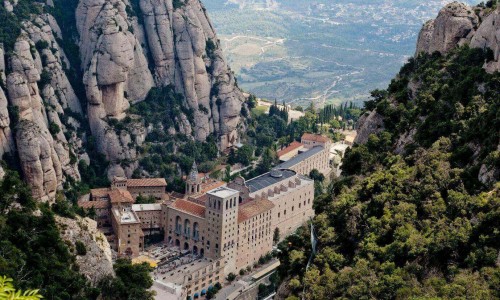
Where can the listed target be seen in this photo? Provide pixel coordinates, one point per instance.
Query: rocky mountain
(458, 24)
(52, 105)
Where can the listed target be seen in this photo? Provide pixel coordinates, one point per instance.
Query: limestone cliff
(455, 25)
(125, 49)
(38, 92)
(96, 263)
(125, 53)
(458, 24)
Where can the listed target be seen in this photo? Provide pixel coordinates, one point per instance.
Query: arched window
(187, 228)
(196, 233)
(178, 225)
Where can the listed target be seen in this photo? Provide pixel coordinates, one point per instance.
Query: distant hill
(324, 50)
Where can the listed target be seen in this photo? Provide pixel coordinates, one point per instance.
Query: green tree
(276, 235)
(8, 292)
(132, 281)
(316, 175)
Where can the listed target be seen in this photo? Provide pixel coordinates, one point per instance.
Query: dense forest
(417, 222)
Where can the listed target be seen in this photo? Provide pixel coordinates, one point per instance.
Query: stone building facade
(314, 154)
(124, 223)
(229, 226)
(235, 224)
(146, 187)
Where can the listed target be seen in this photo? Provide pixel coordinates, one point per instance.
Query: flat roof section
(301, 157)
(125, 216)
(146, 207)
(268, 179)
(223, 192)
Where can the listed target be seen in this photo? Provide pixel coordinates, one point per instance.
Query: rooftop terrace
(125, 216)
(222, 192)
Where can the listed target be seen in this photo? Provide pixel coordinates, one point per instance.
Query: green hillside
(415, 225)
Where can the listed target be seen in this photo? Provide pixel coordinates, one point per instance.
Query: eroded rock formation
(458, 24)
(488, 36)
(35, 93)
(124, 53)
(455, 25)
(183, 52)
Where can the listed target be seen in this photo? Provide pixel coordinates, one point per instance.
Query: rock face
(124, 53)
(187, 54)
(455, 25)
(183, 52)
(115, 66)
(6, 139)
(488, 36)
(458, 24)
(97, 262)
(369, 123)
(38, 90)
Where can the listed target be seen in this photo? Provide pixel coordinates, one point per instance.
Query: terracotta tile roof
(189, 207)
(294, 145)
(201, 199)
(314, 137)
(120, 196)
(253, 208)
(177, 195)
(94, 204)
(211, 185)
(100, 192)
(146, 182)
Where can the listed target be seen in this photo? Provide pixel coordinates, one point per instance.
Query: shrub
(178, 4)
(41, 44)
(80, 248)
(54, 128)
(45, 79)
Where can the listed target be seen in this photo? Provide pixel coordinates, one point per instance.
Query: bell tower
(193, 183)
(222, 226)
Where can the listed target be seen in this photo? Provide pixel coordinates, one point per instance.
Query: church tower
(193, 183)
